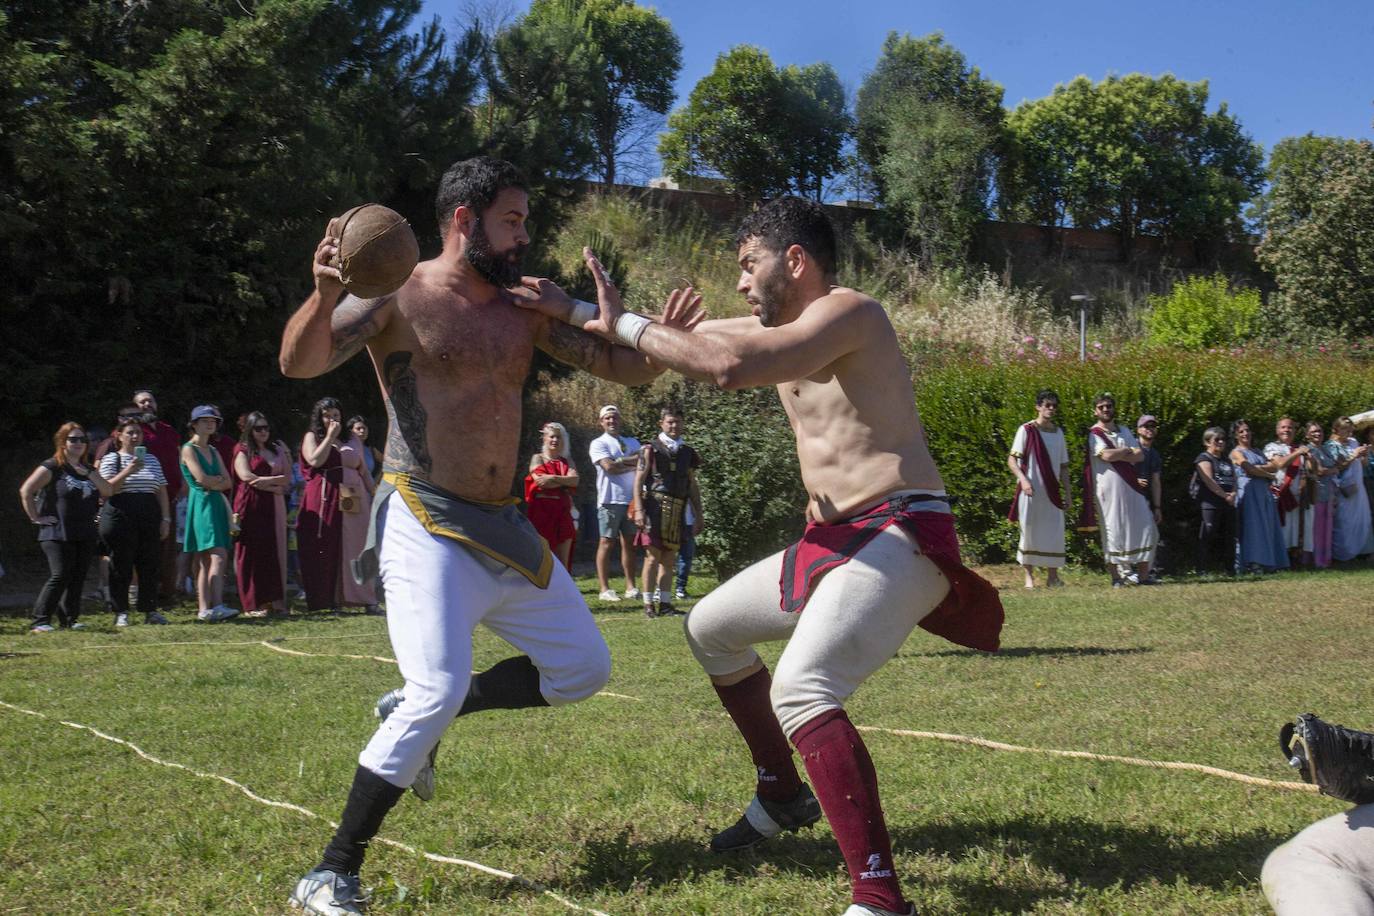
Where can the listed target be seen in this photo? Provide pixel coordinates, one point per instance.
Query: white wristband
(582, 312)
(629, 327)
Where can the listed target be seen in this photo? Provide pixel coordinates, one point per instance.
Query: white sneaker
(121, 620)
(217, 613)
(631, 593)
(609, 595)
(328, 893)
(225, 611)
(863, 909)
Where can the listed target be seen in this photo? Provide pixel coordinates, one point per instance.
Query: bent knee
(573, 684)
(798, 700)
(715, 653)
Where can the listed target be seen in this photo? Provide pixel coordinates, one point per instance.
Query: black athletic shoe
(423, 786)
(764, 819)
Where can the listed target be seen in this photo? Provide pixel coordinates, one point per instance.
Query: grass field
(608, 803)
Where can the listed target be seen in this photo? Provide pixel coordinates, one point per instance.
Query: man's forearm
(308, 341)
(704, 357)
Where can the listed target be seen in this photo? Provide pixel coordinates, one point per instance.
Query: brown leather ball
(377, 250)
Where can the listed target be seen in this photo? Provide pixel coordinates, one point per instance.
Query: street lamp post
(1083, 300)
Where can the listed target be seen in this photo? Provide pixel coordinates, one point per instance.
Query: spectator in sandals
(262, 467)
(134, 521)
(61, 496)
(207, 513)
(1215, 491)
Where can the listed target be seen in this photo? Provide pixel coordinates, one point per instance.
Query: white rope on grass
(365, 658)
(392, 661)
(1086, 755)
(306, 812)
(193, 642)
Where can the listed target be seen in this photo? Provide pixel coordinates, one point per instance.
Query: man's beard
(501, 270)
(772, 292)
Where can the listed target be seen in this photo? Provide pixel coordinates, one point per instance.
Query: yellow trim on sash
(539, 577)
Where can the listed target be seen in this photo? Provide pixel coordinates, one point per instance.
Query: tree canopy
(167, 168)
(767, 131)
(633, 60)
(1136, 154)
(1319, 231)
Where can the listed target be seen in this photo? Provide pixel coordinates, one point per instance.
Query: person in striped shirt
(134, 522)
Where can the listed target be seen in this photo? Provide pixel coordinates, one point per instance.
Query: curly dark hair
(474, 183)
(786, 221)
(317, 414)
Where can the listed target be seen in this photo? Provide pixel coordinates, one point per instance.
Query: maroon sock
(843, 778)
(748, 704)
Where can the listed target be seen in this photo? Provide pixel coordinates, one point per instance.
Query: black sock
(509, 684)
(368, 803)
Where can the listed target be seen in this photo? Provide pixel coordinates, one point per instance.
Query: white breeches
(437, 593)
(856, 619)
(1326, 870)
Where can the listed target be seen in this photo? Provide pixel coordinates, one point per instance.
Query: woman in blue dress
(1261, 542)
(1353, 535)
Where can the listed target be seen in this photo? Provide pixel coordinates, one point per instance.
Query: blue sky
(1284, 68)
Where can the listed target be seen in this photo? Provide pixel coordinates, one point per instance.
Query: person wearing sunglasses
(262, 466)
(62, 496)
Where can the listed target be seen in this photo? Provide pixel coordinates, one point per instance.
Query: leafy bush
(1203, 312)
(750, 481)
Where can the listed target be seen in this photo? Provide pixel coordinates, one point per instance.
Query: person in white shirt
(616, 458)
(1040, 460)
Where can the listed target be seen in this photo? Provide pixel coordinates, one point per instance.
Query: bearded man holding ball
(451, 351)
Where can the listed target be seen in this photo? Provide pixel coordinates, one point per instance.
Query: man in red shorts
(879, 555)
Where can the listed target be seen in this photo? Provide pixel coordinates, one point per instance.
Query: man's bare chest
(464, 342)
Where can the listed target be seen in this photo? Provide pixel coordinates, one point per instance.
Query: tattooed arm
(577, 348)
(331, 326)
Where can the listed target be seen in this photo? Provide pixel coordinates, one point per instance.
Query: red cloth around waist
(971, 613)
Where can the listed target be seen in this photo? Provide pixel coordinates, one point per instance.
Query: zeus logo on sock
(875, 869)
(765, 776)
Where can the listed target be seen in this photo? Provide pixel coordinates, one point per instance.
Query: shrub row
(971, 408)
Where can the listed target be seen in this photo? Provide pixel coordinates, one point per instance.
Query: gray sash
(497, 534)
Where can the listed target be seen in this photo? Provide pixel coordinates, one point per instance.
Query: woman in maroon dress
(319, 528)
(262, 468)
(548, 492)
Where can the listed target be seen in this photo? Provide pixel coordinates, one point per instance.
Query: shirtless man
(451, 354)
(880, 532)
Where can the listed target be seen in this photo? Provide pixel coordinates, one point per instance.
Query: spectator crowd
(241, 516)
(1303, 499)
(163, 511)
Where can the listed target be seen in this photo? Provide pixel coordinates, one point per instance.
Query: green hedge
(971, 410)
(750, 482)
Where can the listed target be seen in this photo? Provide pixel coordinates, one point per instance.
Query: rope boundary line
(524, 882)
(1088, 755)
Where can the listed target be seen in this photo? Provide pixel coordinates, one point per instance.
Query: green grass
(609, 802)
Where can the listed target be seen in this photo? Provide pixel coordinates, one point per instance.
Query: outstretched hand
(682, 310)
(543, 296)
(610, 308)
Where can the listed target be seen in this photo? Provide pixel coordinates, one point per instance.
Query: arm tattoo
(353, 323)
(573, 346)
(407, 449)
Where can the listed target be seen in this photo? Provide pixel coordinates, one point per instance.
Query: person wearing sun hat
(207, 512)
